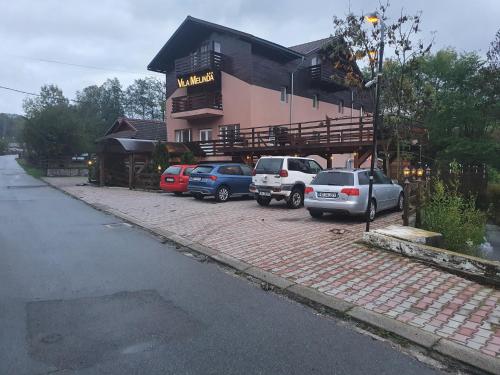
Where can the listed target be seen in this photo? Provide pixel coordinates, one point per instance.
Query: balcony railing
(210, 100)
(325, 74)
(197, 62)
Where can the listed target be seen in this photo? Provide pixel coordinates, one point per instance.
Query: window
(334, 179)
(315, 101)
(203, 169)
(314, 61)
(341, 106)
(188, 171)
(229, 132)
(304, 166)
(313, 166)
(247, 171)
(172, 170)
(363, 178)
(217, 47)
(380, 178)
(183, 135)
(205, 135)
(233, 170)
(284, 95)
(269, 165)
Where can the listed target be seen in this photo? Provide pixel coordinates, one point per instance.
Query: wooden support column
(328, 161)
(131, 171)
(102, 174)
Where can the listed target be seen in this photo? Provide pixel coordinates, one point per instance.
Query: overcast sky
(120, 37)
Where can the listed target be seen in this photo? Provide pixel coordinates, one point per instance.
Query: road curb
(468, 356)
(434, 344)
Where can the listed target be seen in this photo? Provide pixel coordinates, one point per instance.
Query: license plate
(265, 193)
(195, 178)
(169, 179)
(328, 195)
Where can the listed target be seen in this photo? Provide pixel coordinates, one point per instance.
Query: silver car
(346, 191)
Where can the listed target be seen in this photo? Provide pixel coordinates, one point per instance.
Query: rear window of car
(188, 171)
(230, 169)
(269, 166)
(203, 169)
(173, 170)
(334, 179)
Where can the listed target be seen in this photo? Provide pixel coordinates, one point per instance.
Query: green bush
(188, 158)
(493, 198)
(456, 218)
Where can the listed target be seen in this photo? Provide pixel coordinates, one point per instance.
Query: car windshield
(203, 169)
(269, 165)
(334, 178)
(172, 170)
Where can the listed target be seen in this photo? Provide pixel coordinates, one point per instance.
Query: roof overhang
(193, 30)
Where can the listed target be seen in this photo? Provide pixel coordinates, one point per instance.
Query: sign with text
(196, 79)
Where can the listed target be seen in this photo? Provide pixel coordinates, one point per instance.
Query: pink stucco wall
(251, 106)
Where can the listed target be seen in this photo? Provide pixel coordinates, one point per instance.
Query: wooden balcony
(198, 62)
(326, 75)
(206, 104)
(340, 135)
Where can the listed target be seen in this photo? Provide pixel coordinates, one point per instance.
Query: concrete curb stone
(320, 298)
(268, 277)
(468, 356)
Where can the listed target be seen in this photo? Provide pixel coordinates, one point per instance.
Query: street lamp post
(375, 19)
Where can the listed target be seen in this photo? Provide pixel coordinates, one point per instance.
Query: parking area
(323, 254)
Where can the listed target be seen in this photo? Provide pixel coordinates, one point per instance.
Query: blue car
(220, 181)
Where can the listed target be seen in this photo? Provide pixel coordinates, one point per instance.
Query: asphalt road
(81, 293)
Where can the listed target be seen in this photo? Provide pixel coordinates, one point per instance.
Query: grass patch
(30, 169)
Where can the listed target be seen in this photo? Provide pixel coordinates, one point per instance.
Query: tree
(145, 99)
(52, 129)
(354, 40)
(493, 53)
(460, 107)
(98, 107)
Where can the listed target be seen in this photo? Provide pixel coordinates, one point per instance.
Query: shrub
(455, 217)
(188, 158)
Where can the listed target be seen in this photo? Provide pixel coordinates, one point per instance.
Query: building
(228, 86)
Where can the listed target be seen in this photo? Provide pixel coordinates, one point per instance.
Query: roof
(309, 47)
(194, 30)
(130, 128)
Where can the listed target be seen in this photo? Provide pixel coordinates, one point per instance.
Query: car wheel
(263, 201)
(198, 196)
(296, 198)
(177, 193)
(222, 194)
(372, 211)
(401, 202)
(316, 214)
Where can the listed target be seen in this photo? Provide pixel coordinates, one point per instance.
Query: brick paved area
(314, 253)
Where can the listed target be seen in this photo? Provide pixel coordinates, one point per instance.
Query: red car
(175, 178)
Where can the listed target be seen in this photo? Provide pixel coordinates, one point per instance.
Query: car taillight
(254, 172)
(283, 173)
(308, 190)
(182, 179)
(350, 191)
(213, 178)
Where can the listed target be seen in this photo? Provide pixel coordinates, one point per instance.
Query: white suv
(283, 177)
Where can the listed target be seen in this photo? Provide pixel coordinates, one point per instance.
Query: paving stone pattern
(316, 253)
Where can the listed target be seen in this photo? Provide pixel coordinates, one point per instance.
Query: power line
(51, 61)
(31, 93)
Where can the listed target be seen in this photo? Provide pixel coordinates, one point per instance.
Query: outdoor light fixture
(406, 172)
(372, 18)
(372, 55)
(89, 163)
(420, 172)
(428, 172)
(159, 167)
(413, 171)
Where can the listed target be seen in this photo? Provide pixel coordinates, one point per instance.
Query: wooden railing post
(406, 203)
(299, 129)
(253, 137)
(131, 167)
(360, 129)
(418, 204)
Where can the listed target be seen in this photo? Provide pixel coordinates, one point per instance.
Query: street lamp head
(372, 18)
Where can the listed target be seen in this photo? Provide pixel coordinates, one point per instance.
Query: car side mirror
(395, 182)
